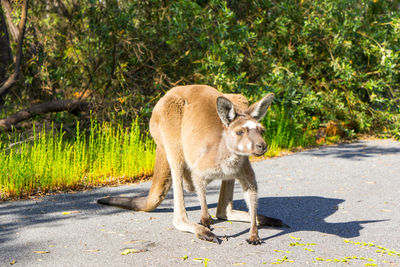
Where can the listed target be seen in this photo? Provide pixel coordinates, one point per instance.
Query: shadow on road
(16, 215)
(309, 213)
(357, 150)
(31, 213)
(305, 213)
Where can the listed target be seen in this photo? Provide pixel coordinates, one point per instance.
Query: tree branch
(8, 13)
(21, 28)
(70, 105)
(5, 51)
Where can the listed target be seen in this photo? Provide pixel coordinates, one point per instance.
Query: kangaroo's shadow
(306, 213)
(301, 213)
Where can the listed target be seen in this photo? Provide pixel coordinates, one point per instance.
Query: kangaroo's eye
(240, 132)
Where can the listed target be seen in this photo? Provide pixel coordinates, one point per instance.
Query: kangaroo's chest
(228, 168)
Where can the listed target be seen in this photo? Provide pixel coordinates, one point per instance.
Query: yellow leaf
(70, 212)
(92, 250)
(128, 250)
(184, 257)
(41, 252)
(295, 238)
(132, 250)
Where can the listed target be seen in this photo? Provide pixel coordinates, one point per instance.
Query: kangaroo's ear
(225, 110)
(259, 109)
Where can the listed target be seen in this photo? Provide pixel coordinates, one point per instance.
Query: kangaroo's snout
(260, 148)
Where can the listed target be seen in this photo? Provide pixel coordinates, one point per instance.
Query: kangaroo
(203, 135)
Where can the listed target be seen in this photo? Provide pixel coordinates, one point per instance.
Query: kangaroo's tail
(161, 183)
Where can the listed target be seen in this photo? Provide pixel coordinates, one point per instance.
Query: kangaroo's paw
(268, 221)
(254, 240)
(207, 235)
(206, 222)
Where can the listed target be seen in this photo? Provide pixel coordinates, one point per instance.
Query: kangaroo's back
(189, 115)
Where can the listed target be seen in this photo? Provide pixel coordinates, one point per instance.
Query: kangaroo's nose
(260, 146)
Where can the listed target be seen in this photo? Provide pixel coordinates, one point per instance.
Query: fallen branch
(71, 106)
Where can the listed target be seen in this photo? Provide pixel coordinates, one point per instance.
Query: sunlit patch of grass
(106, 153)
(51, 162)
(283, 133)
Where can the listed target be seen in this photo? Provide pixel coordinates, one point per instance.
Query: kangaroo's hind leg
(161, 181)
(169, 124)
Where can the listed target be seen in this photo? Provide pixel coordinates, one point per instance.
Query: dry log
(70, 105)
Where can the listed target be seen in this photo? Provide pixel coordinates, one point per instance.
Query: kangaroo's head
(242, 130)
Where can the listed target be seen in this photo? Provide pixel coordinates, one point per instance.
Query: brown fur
(202, 135)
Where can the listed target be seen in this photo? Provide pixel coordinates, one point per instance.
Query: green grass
(51, 162)
(284, 133)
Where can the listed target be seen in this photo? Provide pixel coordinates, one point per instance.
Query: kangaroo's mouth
(259, 154)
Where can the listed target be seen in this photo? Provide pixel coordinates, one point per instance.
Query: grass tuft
(51, 162)
(283, 133)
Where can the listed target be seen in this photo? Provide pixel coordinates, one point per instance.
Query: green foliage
(50, 161)
(334, 60)
(324, 60)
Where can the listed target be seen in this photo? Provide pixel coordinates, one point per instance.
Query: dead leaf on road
(70, 212)
(92, 250)
(134, 241)
(132, 250)
(41, 252)
(184, 257)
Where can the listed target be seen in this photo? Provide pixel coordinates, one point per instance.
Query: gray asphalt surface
(327, 195)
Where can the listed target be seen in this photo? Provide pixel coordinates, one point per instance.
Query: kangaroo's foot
(200, 231)
(207, 235)
(254, 240)
(206, 221)
(243, 216)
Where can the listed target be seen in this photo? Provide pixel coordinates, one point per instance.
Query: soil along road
(342, 203)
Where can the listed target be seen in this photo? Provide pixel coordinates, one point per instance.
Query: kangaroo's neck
(229, 161)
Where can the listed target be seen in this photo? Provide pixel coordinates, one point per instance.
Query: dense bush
(325, 60)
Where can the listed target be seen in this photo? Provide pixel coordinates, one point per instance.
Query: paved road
(327, 196)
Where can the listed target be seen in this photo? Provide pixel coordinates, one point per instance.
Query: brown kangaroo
(203, 135)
